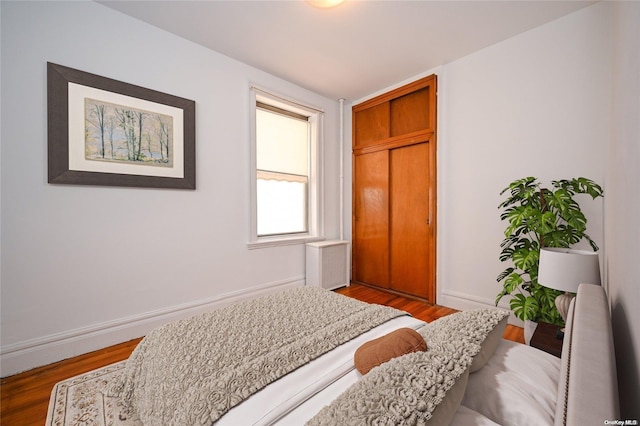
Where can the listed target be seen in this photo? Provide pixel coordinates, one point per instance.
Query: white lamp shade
(565, 269)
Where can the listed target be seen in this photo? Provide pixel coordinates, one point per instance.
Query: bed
(288, 359)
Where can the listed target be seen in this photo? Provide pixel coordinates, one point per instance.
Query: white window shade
(262, 175)
(282, 145)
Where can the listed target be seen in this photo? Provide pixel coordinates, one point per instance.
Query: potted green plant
(539, 217)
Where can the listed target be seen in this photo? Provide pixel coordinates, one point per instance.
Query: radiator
(328, 264)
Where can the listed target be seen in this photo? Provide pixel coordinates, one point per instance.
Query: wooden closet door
(394, 190)
(371, 219)
(410, 240)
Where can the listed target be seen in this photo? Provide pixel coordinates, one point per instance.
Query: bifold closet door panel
(371, 219)
(409, 219)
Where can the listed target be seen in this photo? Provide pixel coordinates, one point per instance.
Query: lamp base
(562, 304)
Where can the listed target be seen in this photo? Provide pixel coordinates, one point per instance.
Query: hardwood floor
(25, 396)
(421, 310)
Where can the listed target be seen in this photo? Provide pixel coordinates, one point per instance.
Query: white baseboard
(464, 301)
(22, 356)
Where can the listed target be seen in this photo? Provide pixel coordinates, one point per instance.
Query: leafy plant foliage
(539, 217)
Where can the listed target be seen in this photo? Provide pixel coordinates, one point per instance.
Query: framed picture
(106, 132)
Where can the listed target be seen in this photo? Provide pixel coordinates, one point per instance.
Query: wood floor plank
(419, 309)
(25, 397)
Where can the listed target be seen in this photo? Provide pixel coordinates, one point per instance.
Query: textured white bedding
(286, 401)
(508, 390)
(519, 394)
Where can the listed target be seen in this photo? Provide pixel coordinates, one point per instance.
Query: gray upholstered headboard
(588, 391)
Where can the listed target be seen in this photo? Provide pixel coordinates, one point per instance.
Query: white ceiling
(352, 50)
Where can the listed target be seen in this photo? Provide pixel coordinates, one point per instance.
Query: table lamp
(565, 269)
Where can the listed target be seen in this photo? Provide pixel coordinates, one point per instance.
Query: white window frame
(315, 213)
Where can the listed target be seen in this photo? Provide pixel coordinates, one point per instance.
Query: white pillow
(489, 345)
(484, 327)
(421, 387)
(517, 386)
(412, 389)
(467, 417)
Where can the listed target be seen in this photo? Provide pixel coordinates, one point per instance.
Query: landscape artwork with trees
(111, 133)
(119, 133)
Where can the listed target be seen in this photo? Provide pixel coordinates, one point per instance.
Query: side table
(544, 338)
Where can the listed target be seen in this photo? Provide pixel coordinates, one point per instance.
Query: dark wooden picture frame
(58, 114)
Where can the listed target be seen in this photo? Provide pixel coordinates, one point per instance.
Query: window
(282, 171)
(285, 174)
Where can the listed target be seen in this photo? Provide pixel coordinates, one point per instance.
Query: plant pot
(529, 329)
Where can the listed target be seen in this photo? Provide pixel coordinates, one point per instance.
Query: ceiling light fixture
(325, 4)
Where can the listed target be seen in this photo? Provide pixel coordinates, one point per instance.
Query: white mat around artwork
(83, 400)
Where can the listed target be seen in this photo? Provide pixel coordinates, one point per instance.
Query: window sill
(282, 241)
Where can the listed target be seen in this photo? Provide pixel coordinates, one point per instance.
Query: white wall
(85, 267)
(534, 105)
(622, 206)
